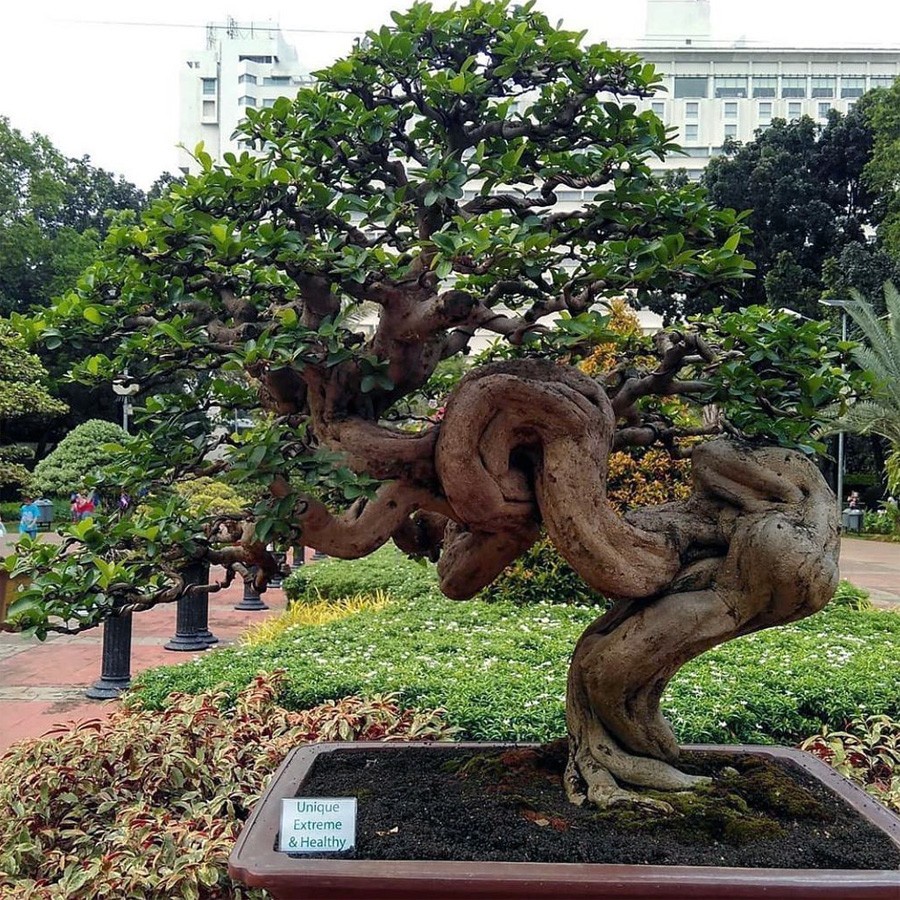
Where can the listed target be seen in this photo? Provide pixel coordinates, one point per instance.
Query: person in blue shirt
(28, 518)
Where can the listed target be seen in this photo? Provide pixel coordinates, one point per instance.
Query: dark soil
(509, 805)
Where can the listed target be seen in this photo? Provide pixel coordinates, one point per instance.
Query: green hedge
(500, 670)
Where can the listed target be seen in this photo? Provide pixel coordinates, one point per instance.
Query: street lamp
(842, 306)
(125, 387)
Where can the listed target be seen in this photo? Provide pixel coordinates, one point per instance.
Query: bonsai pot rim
(256, 863)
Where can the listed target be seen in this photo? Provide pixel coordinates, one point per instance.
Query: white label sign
(317, 824)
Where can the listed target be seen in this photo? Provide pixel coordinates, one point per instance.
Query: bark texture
(524, 444)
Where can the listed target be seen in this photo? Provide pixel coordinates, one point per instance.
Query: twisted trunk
(527, 442)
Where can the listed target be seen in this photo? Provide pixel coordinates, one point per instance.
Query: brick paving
(43, 684)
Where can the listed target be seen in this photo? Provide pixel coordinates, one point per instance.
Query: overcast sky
(95, 85)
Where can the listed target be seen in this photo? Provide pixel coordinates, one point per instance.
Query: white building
(715, 91)
(244, 65)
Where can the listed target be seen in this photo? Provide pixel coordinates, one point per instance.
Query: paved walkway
(43, 684)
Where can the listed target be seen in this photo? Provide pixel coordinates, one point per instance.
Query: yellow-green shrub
(312, 613)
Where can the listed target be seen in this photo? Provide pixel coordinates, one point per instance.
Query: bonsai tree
(466, 169)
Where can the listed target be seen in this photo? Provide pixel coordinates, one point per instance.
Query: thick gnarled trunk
(526, 443)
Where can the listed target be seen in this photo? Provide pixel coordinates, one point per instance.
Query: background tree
(23, 396)
(54, 213)
(878, 353)
(808, 201)
(881, 109)
(421, 174)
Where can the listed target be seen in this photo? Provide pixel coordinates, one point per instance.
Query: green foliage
(24, 396)
(804, 187)
(851, 597)
(499, 670)
(881, 109)
(77, 459)
(52, 217)
(540, 575)
(387, 569)
(147, 805)
(782, 376)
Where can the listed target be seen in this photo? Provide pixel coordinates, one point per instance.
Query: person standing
(28, 517)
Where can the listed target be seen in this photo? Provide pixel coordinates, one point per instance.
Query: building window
(793, 86)
(269, 102)
(882, 81)
(209, 85)
(795, 110)
(730, 130)
(853, 85)
(765, 110)
(823, 86)
(277, 80)
(209, 109)
(246, 78)
(691, 132)
(730, 110)
(256, 59)
(765, 85)
(824, 109)
(691, 109)
(691, 86)
(246, 100)
(731, 86)
(658, 108)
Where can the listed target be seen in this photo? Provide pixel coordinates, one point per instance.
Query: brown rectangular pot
(256, 863)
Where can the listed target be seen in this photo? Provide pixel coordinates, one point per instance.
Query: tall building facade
(244, 65)
(715, 92)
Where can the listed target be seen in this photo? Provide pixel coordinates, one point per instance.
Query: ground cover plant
(498, 669)
(423, 176)
(148, 805)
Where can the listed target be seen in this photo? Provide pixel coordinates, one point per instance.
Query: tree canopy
(804, 186)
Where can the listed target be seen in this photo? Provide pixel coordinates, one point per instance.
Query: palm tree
(878, 353)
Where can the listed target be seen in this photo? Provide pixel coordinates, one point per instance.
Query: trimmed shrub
(207, 496)
(387, 569)
(149, 805)
(79, 455)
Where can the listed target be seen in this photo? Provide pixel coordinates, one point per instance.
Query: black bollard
(115, 667)
(298, 556)
(203, 631)
(251, 601)
(280, 563)
(188, 631)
